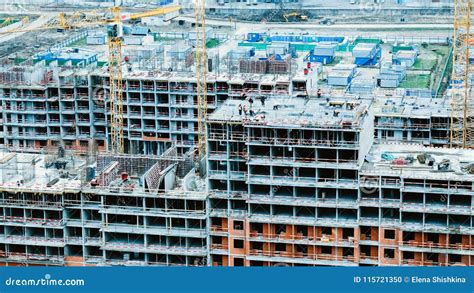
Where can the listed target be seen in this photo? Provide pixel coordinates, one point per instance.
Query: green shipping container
(305, 47)
(364, 40)
(395, 49)
(257, 46)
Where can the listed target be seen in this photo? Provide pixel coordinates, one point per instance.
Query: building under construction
(300, 183)
(135, 210)
(290, 181)
(70, 107)
(317, 150)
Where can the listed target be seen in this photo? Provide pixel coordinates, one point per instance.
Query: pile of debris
(468, 169)
(425, 160)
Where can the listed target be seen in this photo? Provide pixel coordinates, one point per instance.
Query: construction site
(180, 135)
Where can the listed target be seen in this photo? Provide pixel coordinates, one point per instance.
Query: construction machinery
(201, 75)
(295, 16)
(462, 101)
(9, 21)
(6, 22)
(113, 19)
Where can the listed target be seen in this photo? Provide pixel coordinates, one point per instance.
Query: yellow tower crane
(462, 99)
(113, 19)
(201, 74)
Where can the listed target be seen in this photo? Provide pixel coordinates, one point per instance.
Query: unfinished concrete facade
(412, 119)
(419, 212)
(290, 187)
(290, 182)
(132, 213)
(284, 181)
(70, 106)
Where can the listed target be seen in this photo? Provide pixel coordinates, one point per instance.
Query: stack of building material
(391, 75)
(324, 52)
(366, 54)
(405, 57)
(253, 66)
(341, 74)
(108, 174)
(279, 64)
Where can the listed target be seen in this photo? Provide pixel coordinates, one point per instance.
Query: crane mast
(462, 101)
(201, 74)
(116, 84)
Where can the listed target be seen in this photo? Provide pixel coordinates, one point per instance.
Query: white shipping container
(406, 58)
(325, 50)
(95, 40)
(389, 83)
(363, 50)
(339, 78)
(346, 67)
(272, 50)
(132, 40)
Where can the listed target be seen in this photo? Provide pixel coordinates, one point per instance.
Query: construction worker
(240, 109)
(243, 95)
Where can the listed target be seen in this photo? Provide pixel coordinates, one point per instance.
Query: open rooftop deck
(295, 112)
(415, 161)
